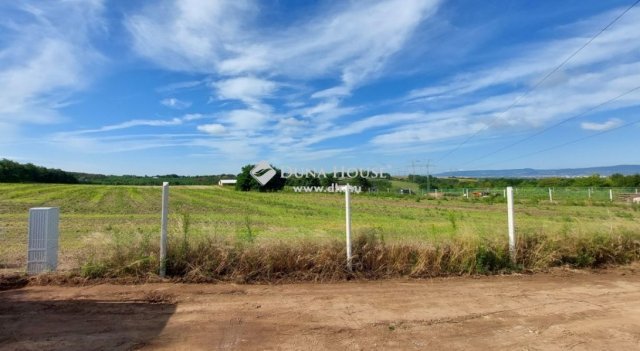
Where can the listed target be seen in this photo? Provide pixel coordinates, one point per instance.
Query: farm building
(224, 182)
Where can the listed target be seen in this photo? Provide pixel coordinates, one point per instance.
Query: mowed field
(92, 215)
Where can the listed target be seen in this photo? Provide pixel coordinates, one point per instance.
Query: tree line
(615, 180)
(14, 172)
(173, 179)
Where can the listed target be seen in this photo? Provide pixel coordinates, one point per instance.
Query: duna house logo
(262, 172)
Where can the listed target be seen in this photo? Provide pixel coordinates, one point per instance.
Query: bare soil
(561, 310)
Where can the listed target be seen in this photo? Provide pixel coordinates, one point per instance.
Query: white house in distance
(224, 182)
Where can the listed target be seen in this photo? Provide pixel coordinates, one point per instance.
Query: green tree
(11, 171)
(360, 181)
(246, 182)
(303, 181)
(328, 180)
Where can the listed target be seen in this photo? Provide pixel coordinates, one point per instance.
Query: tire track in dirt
(557, 311)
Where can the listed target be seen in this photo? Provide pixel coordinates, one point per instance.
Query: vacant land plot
(96, 217)
(563, 310)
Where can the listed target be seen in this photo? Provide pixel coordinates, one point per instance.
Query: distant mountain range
(544, 173)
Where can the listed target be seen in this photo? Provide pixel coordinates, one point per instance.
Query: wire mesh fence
(560, 194)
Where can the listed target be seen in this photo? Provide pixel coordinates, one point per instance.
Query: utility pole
(428, 177)
(413, 169)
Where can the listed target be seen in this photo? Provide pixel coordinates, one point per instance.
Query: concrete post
(163, 229)
(511, 224)
(347, 200)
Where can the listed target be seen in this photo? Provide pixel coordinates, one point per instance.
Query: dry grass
(207, 259)
(159, 297)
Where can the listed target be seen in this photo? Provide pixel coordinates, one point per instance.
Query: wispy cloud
(609, 67)
(140, 122)
(189, 35)
(213, 129)
(348, 43)
(352, 40)
(245, 120)
(609, 124)
(188, 84)
(175, 103)
(46, 56)
(328, 80)
(249, 90)
(529, 63)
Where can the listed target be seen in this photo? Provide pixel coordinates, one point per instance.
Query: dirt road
(563, 310)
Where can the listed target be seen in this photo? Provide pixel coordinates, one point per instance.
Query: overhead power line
(535, 86)
(554, 125)
(568, 142)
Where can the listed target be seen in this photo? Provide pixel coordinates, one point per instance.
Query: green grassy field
(99, 215)
(396, 185)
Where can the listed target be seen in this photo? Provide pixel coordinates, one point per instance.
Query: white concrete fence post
(163, 229)
(347, 201)
(550, 195)
(589, 192)
(611, 195)
(42, 251)
(511, 225)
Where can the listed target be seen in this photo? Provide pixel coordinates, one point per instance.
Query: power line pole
(413, 169)
(428, 177)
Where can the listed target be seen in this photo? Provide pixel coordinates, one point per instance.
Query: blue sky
(204, 87)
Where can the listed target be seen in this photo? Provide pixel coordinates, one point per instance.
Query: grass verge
(213, 259)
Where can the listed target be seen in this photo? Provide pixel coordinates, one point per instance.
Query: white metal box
(42, 255)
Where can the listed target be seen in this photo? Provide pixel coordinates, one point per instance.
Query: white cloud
(250, 90)
(84, 144)
(579, 94)
(46, 57)
(188, 35)
(332, 92)
(214, 129)
(246, 120)
(609, 124)
(365, 124)
(428, 132)
(491, 99)
(140, 123)
(192, 117)
(175, 103)
(620, 44)
(350, 41)
(189, 84)
(325, 111)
